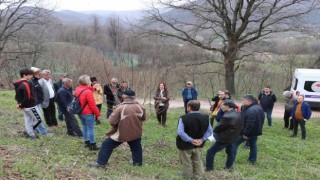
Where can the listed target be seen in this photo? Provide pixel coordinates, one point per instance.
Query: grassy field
(64, 157)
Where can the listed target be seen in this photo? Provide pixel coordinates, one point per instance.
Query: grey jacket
(46, 95)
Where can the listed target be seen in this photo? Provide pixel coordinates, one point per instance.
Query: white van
(307, 82)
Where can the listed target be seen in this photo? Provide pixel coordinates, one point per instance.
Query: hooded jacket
(24, 93)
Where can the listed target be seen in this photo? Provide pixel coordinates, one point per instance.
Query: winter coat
(158, 99)
(126, 121)
(87, 101)
(229, 128)
(64, 98)
(267, 101)
(305, 108)
(24, 93)
(46, 94)
(38, 96)
(194, 93)
(109, 95)
(253, 117)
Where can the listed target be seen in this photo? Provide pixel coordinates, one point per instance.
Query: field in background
(64, 157)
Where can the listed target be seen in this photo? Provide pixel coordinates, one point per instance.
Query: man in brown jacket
(126, 121)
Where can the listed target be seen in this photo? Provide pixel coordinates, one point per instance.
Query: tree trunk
(230, 57)
(229, 76)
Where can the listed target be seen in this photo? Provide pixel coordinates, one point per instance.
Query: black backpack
(75, 107)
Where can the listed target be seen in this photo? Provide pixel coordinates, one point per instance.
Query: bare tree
(226, 26)
(95, 24)
(15, 17)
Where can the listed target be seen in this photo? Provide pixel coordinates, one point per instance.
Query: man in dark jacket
(253, 118)
(26, 102)
(38, 97)
(64, 98)
(57, 85)
(225, 133)
(267, 99)
(300, 114)
(189, 93)
(110, 91)
(193, 130)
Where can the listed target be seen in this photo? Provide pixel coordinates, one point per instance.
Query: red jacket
(87, 98)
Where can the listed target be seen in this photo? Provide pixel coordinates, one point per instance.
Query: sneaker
(96, 165)
(49, 134)
(33, 137)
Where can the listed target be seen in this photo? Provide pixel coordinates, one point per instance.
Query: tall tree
(226, 26)
(15, 17)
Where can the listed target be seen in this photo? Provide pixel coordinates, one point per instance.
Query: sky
(88, 5)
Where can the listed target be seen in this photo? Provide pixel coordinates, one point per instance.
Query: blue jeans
(109, 145)
(41, 128)
(216, 147)
(268, 112)
(253, 147)
(87, 121)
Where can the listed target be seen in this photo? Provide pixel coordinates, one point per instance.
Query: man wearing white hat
(38, 96)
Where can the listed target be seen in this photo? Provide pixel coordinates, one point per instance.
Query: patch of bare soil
(7, 156)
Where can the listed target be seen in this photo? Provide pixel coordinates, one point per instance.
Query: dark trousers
(60, 114)
(287, 122)
(268, 112)
(99, 108)
(216, 147)
(212, 119)
(162, 115)
(303, 128)
(185, 105)
(253, 147)
(50, 114)
(109, 108)
(109, 145)
(73, 127)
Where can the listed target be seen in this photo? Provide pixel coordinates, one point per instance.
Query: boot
(94, 147)
(87, 144)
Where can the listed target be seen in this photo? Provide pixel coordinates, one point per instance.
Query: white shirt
(50, 87)
(161, 95)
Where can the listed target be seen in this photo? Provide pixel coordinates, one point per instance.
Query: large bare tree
(226, 26)
(15, 17)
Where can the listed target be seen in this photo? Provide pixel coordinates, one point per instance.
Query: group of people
(234, 125)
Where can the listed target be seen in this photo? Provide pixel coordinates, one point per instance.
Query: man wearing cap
(126, 121)
(253, 118)
(189, 93)
(225, 133)
(38, 97)
(57, 85)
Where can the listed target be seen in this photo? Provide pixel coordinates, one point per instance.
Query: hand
(245, 137)
(164, 98)
(18, 107)
(305, 120)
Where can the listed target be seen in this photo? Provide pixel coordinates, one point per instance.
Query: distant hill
(74, 17)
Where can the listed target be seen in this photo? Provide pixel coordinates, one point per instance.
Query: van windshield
(312, 86)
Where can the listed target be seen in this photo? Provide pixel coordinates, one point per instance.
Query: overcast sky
(87, 5)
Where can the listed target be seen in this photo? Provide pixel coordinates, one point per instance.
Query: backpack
(75, 107)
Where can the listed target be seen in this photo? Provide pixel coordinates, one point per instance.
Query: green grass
(63, 157)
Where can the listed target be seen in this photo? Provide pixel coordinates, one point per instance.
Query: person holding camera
(162, 103)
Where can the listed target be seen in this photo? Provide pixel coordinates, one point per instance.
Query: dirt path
(277, 112)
